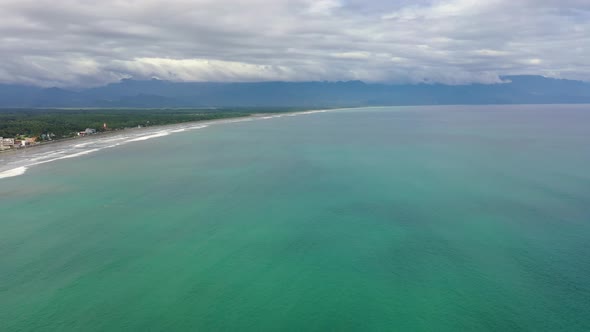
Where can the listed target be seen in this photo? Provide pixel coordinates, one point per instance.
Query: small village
(23, 141)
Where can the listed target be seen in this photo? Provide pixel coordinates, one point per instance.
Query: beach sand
(16, 162)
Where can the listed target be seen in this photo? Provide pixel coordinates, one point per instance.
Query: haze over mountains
(159, 93)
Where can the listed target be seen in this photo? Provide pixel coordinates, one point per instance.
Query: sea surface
(454, 218)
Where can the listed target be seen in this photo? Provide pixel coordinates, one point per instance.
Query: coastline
(99, 135)
(112, 133)
(15, 162)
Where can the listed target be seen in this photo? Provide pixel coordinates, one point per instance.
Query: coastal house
(88, 131)
(6, 143)
(24, 142)
(47, 136)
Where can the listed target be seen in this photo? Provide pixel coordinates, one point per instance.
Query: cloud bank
(86, 43)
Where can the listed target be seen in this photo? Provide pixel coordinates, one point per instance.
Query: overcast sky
(92, 42)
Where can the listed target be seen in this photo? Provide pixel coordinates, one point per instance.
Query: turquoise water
(465, 218)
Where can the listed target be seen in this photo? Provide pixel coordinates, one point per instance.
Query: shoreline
(111, 133)
(134, 129)
(156, 127)
(15, 162)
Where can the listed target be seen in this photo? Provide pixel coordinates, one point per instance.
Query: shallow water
(447, 218)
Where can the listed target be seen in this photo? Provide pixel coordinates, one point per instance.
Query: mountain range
(159, 93)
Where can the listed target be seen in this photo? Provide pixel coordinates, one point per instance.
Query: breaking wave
(18, 163)
(145, 138)
(13, 172)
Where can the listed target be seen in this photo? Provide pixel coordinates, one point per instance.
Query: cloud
(200, 70)
(323, 7)
(84, 43)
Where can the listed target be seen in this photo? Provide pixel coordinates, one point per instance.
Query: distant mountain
(157, 93)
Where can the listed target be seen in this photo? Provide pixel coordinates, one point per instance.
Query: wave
(198, 127)
(68, 151)
(68, 156)
(144, 138)
(47, 155)
(13, 172)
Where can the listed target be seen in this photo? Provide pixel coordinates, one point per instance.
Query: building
(24, 142)
(88, 131)
(6, 143)
(30, 140)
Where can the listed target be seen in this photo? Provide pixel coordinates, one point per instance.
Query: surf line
(38, 160)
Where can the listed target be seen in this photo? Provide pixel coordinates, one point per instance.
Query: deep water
(455, 218)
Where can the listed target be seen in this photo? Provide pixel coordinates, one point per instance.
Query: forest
(64, 123)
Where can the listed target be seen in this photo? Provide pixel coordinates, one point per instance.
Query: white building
(6, 143)
(88, 131)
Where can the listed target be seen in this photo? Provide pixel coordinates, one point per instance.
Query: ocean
(439, 218)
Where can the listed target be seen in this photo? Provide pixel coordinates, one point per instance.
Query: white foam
(68, 156)
(13, 172)
(143, 138)
(39, 155)
(103, 143)
(114, 139)
(198, 127)
(47, 155)
(74, 155)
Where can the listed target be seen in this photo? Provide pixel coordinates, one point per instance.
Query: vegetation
(66, 122)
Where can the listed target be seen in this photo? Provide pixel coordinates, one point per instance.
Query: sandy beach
(16, 162)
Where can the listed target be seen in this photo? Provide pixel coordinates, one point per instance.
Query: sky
(70, 43)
